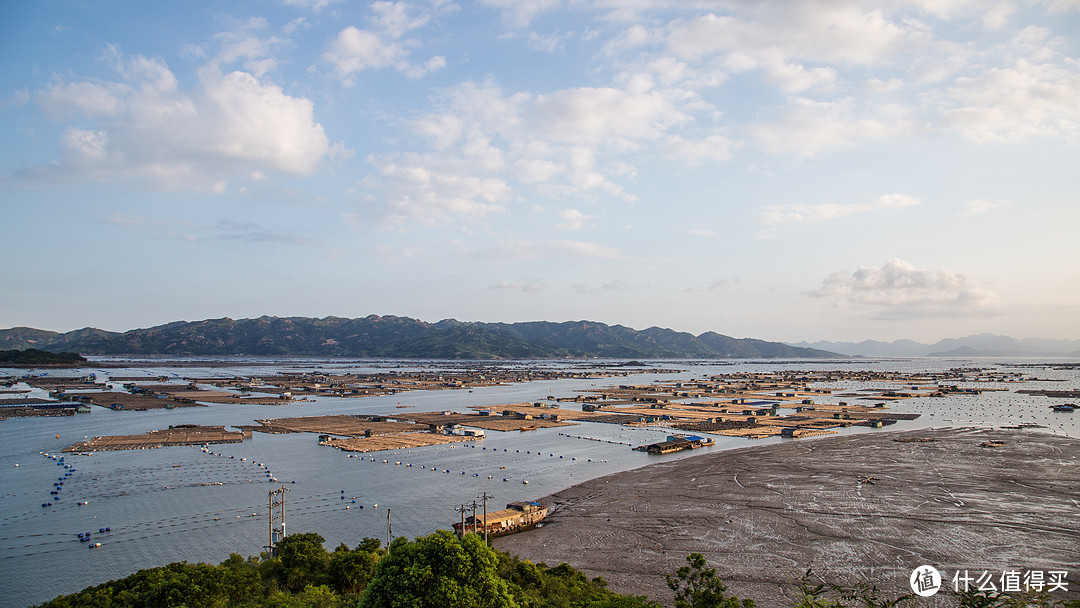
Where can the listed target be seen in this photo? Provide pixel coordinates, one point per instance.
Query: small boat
(528, 428)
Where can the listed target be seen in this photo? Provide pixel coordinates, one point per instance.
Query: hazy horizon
(793, 171)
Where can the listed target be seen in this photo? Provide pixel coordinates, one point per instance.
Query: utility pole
(474, 517)
(462, 509)
(277, 513)
(388, 529)
(485, 496)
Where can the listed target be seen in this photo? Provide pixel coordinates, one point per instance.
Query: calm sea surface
(181, 503)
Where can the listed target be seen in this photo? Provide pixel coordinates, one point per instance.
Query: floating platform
(184, 434)
(396, 441)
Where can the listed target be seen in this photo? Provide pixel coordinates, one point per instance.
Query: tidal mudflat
(865, 508)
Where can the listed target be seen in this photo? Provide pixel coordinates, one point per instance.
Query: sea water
(194, 504)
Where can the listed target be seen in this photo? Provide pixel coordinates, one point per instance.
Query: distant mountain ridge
(401, 337)
(977, 345)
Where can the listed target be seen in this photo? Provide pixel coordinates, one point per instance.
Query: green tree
(697, 586)
(370, 545)
(439, 570)
(350, 570)
(303, 560)
(537, 586)
(312, 596)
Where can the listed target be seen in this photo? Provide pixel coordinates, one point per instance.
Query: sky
(784, 170)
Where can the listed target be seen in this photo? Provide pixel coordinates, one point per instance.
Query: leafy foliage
(822, 594)
(697, 586)
(438, 570)
(537, 586)
(303, 575)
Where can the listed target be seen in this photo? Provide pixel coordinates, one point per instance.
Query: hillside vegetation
(401, 337)
(39, 358)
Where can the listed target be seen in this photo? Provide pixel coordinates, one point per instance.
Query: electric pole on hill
(485, 496)
(474, 517)
(277, 513)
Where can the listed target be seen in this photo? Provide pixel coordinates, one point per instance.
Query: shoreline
(860, 508)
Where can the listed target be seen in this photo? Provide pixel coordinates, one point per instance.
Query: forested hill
(400, 337)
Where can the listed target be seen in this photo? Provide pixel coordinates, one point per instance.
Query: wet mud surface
(861, 508)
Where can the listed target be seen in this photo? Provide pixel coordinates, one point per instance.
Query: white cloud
(796, 78)
(616, 285)
(993, 14)
(717, 283)
(428, 190)
(548, 43)
(978, 207)
(878, 86)
(592, 115)
(529, 287)
(519, 13)
(715, 148)
(1036, 96)
(225, 230)
(807, 127)
(355, 50)
(816, 31)
(1060, 6)
(300, 23)
(397, 18)
(533, 171)
(312, 5)
(794, 214)
(573, 219)
(152, 133)
(899, 289)
(633, 37)
(508, 251)
(564, 143)
(89, 99)
(18, 99)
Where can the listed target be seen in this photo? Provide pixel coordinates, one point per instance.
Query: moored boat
(517, 516)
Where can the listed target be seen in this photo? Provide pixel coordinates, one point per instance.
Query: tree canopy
(438, 571)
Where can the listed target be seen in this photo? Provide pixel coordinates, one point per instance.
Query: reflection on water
(195, 504)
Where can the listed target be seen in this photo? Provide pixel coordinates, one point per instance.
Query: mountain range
(978, 345)
(401, 337)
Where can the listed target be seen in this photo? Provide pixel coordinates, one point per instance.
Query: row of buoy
(58, 485)
(434, 469)
(266, 470)
(477, 475)
(538, 453)
(596, 439)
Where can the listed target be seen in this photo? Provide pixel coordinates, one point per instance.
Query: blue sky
(788, 170)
